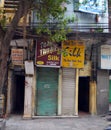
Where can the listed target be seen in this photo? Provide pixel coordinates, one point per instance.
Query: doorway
(83, 99)
(18, 94)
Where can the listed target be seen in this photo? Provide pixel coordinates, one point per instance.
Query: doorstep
(37, 117)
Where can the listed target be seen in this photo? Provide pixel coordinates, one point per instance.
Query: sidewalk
(77, 123)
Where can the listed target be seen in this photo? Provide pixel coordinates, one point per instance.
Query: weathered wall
(102, 92)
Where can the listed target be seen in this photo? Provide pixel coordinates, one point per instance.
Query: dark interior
(83, 104)
(18, 94)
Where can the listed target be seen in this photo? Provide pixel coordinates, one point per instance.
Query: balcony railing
(11, 4)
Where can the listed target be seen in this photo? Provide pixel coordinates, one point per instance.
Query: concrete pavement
(78, 123)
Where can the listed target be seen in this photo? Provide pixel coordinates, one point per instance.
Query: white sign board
(92, 6)
(29, 67)
(106, 57)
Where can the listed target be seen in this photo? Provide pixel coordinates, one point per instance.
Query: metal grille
(68, 91)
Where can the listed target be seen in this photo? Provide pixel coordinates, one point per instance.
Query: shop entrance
(18, 94)
(83, 99)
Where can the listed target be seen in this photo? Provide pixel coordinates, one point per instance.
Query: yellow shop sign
(73, 54)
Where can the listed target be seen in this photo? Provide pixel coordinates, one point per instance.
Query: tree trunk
(23, 8)
(3, 65)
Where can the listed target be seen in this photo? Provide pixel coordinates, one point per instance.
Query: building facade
(46, 79)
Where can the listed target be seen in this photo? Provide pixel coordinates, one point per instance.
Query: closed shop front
(72, 58)
(47, 91)
(68, 91)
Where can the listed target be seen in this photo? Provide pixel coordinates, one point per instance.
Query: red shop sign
(47, 54)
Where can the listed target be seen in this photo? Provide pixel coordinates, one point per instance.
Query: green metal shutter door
(47, 84)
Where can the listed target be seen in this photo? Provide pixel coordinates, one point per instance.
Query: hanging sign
(47, 54)
(17, 56)
(73, 54)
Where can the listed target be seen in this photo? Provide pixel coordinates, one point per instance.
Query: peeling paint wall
(28, 97)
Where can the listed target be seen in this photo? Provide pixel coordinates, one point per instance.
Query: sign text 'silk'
(47, 54)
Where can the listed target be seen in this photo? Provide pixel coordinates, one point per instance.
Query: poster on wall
(29, 68)
(73, 54)
(91, 6)
(47, 54)
(105, 57)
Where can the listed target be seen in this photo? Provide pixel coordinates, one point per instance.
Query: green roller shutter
(47, 86)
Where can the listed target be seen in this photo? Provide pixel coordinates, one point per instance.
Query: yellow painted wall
(86, 71)
(1, 3)
(92, 98)
(9, 17)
